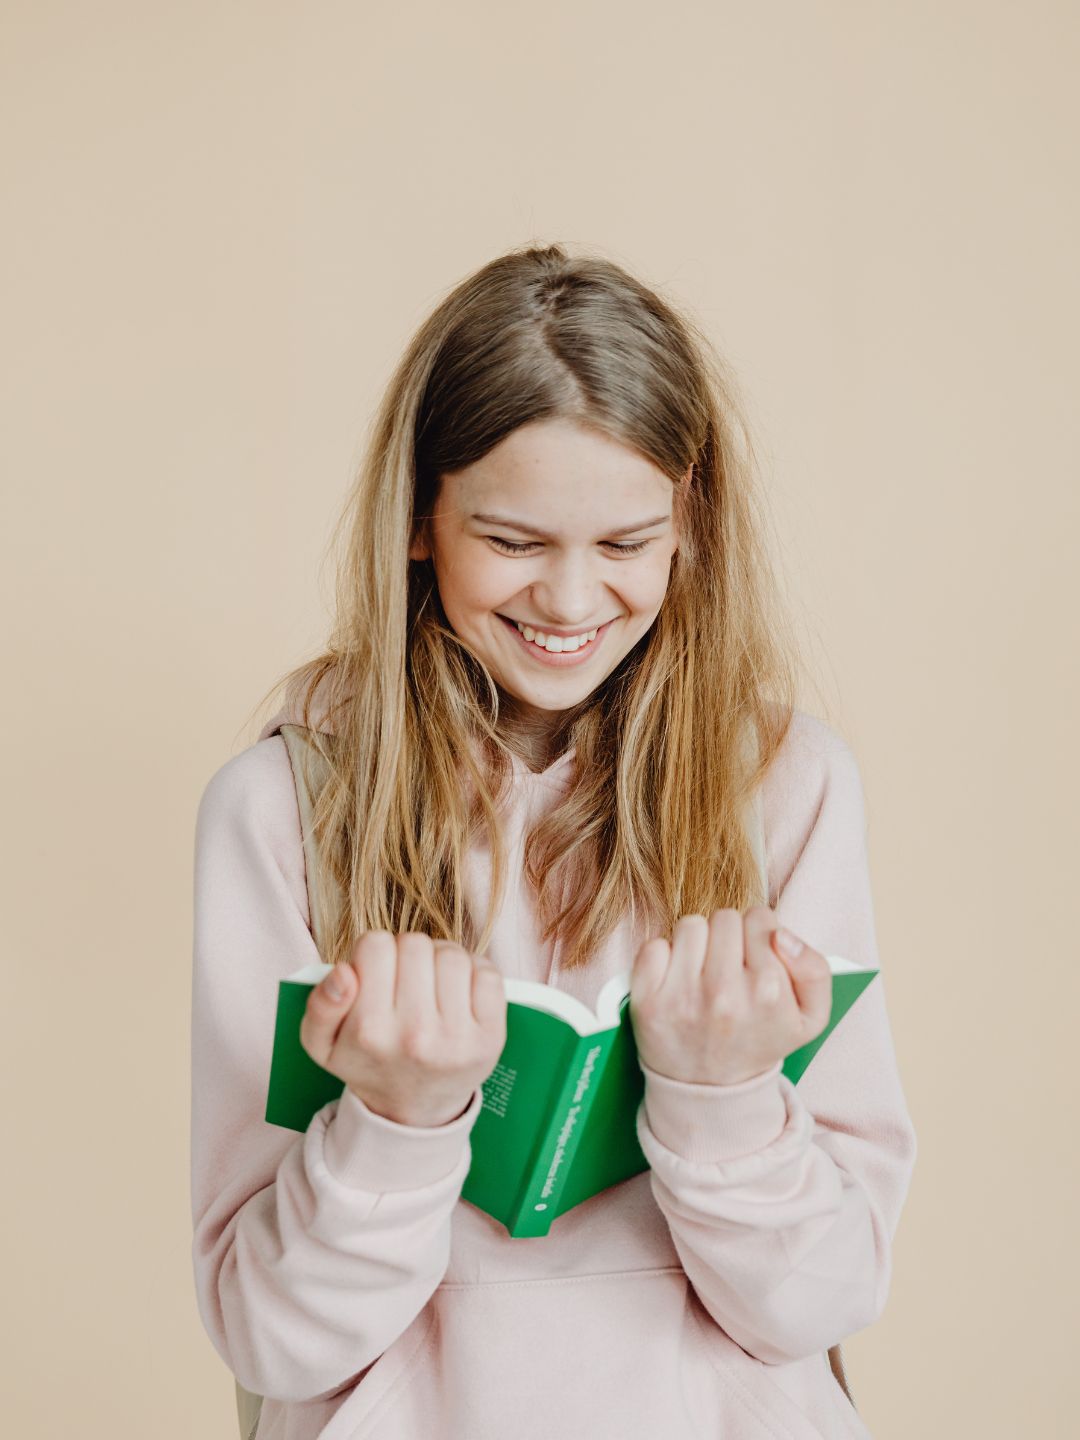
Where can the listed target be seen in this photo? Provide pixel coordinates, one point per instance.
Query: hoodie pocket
(613, 1354)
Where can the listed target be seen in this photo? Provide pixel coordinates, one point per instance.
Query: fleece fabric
(340, 1275)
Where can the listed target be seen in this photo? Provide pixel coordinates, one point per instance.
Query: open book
(558, 1119)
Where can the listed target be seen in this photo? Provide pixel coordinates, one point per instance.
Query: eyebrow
(511, 524)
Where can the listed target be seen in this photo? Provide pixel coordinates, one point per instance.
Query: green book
(558, 1120)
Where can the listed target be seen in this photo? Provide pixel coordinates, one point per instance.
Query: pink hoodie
(340, 1275)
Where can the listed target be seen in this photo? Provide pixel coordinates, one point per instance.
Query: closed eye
(511, 547)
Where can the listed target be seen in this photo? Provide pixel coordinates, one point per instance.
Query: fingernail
(788, 944)
(334, 985)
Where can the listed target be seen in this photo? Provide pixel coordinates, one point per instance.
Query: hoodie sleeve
(783, 1200)
(312, 1252)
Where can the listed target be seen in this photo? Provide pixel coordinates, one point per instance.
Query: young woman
(555, 690)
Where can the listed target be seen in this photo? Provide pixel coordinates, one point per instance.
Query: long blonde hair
(417, 767)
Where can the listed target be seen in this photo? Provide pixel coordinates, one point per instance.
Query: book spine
(537, 1206)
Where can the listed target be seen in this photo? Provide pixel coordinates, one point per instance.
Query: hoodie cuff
(370, 1152)
(710, 1123)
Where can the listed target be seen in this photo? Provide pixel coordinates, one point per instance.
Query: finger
(488, 993)
(811, 983)
(759, 926)
(453, 982)
(723, 967)
(767, 975)
(374, 958)
(649, 969)
(688, 945)
(414, 994)
(338, 988)
(327, 1006)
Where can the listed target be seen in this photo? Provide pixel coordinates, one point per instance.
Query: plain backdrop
(222, 224)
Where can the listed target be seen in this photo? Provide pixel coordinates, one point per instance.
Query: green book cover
(558, 1120)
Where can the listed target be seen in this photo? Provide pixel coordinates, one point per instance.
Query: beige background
(223, 221)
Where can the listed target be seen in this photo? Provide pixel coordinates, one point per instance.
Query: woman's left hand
(719, 1003)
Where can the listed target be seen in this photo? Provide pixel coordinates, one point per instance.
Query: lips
(543, 630)
(555, 659)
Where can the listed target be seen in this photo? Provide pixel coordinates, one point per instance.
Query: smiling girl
(558, 736)
(551, 612)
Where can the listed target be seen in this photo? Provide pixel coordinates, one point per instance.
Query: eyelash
(513, 548)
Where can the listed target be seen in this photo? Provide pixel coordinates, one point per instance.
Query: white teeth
(556, 644)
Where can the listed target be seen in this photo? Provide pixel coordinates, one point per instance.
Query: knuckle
(683, 1013)
(419, 1044)
(721, 1005)
(757, 915)
(768, 991)
(414, 942)
(691, 922)
(372, 937)
(370, 1033)
(726, 926)
(371, 942)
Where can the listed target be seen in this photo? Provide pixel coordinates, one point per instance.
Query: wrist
(416, 1117)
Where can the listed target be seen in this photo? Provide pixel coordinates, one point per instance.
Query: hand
(720, 1003)
(420, 1025)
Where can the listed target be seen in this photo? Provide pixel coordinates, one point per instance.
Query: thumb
(327, 1005)
(336, 987)
(811, 980)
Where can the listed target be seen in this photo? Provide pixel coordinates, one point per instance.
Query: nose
(568, 593)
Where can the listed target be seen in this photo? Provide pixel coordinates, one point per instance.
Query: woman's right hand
(420, 1025)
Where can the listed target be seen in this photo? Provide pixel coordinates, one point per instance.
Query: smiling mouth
(555, 634)
(559, 658)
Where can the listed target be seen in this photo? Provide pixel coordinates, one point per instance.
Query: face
(531, 533)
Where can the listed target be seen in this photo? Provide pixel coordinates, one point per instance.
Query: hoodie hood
(292, 711)
(555, 776)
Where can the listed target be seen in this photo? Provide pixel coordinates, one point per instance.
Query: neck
(532, 734)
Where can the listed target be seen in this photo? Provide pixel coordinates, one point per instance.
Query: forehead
(554, 470)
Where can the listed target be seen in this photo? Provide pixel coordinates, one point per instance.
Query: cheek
(489, 586)
(648, 589)
(475, 582)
